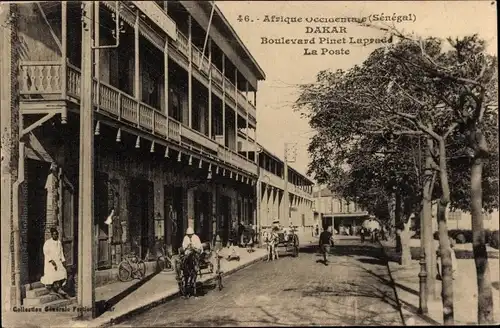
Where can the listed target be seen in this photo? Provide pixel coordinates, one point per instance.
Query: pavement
(120, 299)
(353, 289)
(464, 286)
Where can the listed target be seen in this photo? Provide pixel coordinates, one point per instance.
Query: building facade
(461, 220)
(272, 191)
(331, 210)
(169, 117)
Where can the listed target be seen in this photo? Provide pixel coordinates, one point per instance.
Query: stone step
(34, 285)
(34, 293)
(41, 300)
(58, 304)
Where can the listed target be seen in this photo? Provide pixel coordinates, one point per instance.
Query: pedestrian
(325, 240)
(362, 234)
(54, 275)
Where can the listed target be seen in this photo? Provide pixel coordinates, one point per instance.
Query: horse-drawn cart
(289, 240)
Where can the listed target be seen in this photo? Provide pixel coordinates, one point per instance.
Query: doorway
(101, 212)
(225, 218)
(141, 216)
(203, 215)
(174, 214)
(37, 216)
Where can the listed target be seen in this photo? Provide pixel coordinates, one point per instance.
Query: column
(9, 134)
(246, 110)
(165, 78)
(190, 208)
(159, 207)
(190, 73)
(224, 99)
(235, 110)
(137, 91)
(213, 218)
(210, 88)
(86, 235)
(64, 50)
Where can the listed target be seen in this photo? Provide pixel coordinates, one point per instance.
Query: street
(351, 290)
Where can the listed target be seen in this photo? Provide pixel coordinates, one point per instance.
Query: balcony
(222, 83)
(272, 179)
(45, 80)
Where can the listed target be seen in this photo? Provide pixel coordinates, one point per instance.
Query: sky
(286, 66)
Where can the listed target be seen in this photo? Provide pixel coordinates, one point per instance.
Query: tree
(396, 91)
(466, 77)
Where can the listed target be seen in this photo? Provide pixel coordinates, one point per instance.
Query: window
(487, 216)
(455, 215)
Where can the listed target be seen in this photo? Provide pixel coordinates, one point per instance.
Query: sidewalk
(464, 286)
(125, 298)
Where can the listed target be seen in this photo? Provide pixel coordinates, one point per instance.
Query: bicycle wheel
(141, 269)
(124, 271)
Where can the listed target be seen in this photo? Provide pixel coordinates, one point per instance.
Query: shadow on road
(103, 306)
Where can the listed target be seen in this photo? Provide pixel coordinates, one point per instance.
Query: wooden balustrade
(182, 43)
(174, 129)
(183, 46)
(45, 78)
(40, 77)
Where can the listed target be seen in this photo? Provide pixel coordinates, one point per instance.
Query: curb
(170, 297)
(403, 304)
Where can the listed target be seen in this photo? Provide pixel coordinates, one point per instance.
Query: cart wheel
(124, 271)
(141, 269)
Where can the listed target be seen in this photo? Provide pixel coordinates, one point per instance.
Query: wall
(37, 43)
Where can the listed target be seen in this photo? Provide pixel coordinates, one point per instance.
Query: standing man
(325, 240)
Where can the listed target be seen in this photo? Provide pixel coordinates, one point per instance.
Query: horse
(186, 269)
(271, 240)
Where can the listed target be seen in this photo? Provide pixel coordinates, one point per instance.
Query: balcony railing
(236, 159)
(199, 138)
(44, 78)
(183, 47)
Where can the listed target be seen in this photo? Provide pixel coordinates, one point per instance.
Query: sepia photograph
(249, 163)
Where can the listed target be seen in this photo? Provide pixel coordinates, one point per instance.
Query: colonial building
(462, 220)
(337, 212)
(273, 190)
(171, 106)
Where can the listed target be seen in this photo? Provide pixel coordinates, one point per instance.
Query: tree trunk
(405, 244)
(444, 241)
(426, 233)
(485, 296)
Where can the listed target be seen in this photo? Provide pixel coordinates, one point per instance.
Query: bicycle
(131, 267)
(165, 260)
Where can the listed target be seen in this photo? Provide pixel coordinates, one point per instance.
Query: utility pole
(86, 238)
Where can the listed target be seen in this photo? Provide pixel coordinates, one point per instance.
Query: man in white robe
(55, 274)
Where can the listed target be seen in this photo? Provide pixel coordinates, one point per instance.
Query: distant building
(331, 210)
(463, 220)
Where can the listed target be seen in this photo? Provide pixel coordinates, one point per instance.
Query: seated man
(191, 242)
